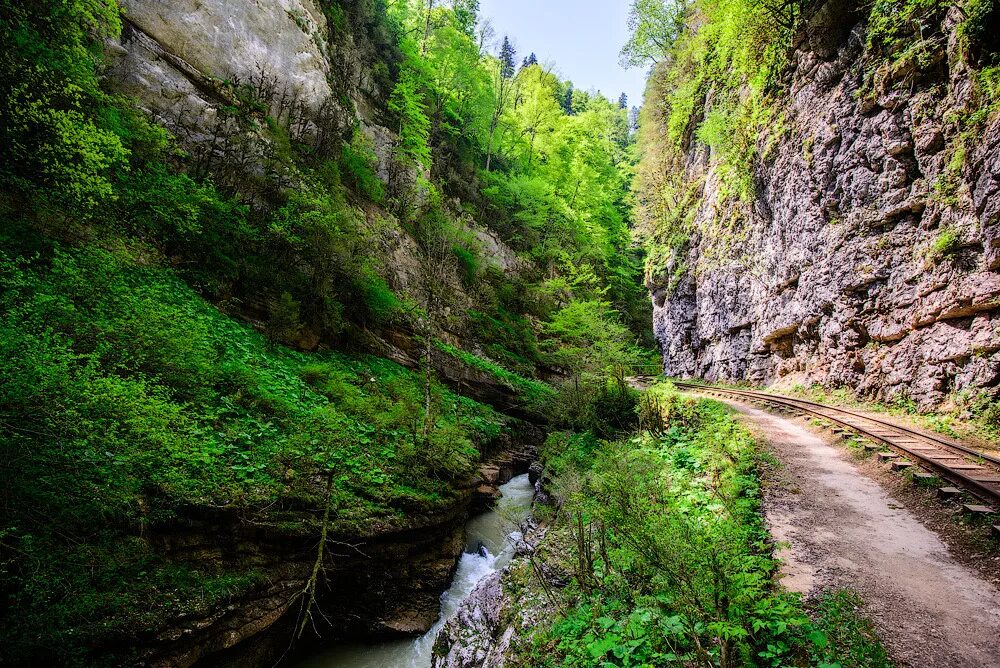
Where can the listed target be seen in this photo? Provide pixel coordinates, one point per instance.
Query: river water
(489, 545)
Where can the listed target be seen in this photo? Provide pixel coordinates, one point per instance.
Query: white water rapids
(495, 531)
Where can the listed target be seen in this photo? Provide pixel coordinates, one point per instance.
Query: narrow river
(489, 541)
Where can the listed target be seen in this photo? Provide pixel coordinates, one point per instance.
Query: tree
(588, 337)
(427, 26)
(485, 36)
(414, 126)
(623, 101)
(504, 85)
(538, 111)
(633, 119)
(529, 61)
(654, 25)
(507, 56)
(567, 101)
(466, 13)
(437, 240)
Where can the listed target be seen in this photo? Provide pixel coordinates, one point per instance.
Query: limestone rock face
(203, 68)
(477, 637)
(845, 276)
(174, 52)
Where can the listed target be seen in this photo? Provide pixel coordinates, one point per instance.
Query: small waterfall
(489, 546)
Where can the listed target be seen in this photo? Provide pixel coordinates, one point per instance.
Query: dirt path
(845, 530)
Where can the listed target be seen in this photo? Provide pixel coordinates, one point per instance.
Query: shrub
(284, 324)
(359, 163)
(380, 302)
(945, 244)
(670, 559)
(469, 263)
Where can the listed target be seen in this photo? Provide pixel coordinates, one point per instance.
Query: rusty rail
(976, 471)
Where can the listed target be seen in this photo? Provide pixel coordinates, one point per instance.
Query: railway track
(976, 471)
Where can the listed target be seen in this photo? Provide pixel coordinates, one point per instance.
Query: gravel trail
(844, 529)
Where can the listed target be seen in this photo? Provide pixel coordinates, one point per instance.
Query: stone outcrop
(870, 257)
(498, 617)
(383, 581)
(383, 584)
(174, 57)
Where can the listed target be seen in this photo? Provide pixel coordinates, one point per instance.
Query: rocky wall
(870, 256)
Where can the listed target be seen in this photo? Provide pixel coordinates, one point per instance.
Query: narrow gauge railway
(976, 471)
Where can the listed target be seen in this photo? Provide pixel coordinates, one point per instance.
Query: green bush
(945, 244)
(380, 302)
(359, 163)
(670, 557)
(55, 143)
(469, 264)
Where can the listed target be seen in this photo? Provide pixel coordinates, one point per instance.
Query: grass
(844, 635)
(945, 245)
(533, 392)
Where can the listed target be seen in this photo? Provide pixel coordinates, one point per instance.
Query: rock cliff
(869, 256)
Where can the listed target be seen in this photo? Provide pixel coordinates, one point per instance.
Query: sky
(581, 38)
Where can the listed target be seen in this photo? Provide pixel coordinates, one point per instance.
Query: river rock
(497, 618)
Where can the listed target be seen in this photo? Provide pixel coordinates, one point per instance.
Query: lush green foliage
(559, 179)
(720, 80)
(717, 83)
(533, 393)
(670, 557)
(134, 392)
(127, 398)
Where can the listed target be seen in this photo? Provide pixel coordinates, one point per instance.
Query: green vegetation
(532, 392)
(845, 638)
(669, 559)
(945, 245)
(171, 312)
(127, 399)
(719, 84)
(720, 72)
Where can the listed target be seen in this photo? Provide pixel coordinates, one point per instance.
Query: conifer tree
(507, 56)
(504, 84)
(567, 101)
(633, 119)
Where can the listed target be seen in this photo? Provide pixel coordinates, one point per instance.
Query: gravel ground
(932, 604)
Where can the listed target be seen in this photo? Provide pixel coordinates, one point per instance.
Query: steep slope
(849, 232)
(269, 329)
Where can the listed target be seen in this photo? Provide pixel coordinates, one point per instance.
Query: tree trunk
(309, 591)
(427, 27)
(427, 385)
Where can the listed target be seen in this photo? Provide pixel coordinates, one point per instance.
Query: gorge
(325, 325)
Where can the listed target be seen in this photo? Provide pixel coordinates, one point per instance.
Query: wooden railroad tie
(947, 493)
